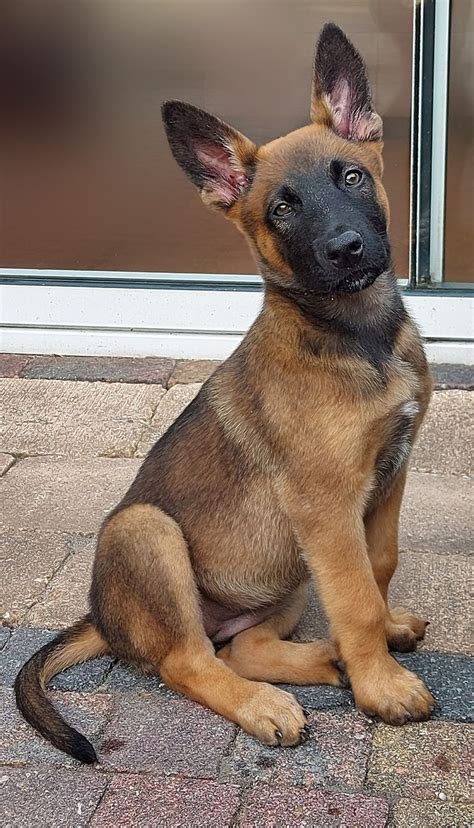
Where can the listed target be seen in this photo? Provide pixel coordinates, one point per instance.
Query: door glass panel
(88, 181)
(459, 236)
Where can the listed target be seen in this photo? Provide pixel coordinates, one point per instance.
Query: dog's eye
(282, 210)
(353, 177)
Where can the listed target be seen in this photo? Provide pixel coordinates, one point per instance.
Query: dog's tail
(73, 646)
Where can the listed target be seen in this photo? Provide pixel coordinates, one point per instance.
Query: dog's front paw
(392, 693)
(274, 717)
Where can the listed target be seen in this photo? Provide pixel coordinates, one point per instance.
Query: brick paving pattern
(74, 434)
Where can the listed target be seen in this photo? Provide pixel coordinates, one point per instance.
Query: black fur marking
(394, 454)
(324, 208)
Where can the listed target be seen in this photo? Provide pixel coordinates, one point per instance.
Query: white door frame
(193, 316)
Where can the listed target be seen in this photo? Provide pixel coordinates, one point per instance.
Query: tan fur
(89, 644)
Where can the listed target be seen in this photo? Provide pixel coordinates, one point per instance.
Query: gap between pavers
(31, 560)
(65, 598)
(169, 408)
(6, 462)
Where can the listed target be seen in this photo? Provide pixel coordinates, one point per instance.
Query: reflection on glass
(89, 180)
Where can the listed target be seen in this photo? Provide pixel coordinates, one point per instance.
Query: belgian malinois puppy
(290, 464)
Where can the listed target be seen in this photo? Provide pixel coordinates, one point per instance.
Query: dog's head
(311, 204)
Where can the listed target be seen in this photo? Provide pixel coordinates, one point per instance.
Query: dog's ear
(216, 157)
(341, 96)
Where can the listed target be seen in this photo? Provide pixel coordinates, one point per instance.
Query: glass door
(89, 183)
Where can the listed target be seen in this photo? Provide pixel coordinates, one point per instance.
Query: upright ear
(341, 95)
(217, 158)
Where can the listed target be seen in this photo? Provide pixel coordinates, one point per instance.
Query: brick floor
(448, 675)
(103, 369)
(29, 559)
(66, 598)
(162, 735)
(72, 419)
(165, 761)
(277, 806)
(437, 514)
(49, 797)
(25, 641)
(423, 761)
(12, 364)
(157, 369)
(192, 370)
(420, 583)
(444, 445)
(134, 800)
(409, 813)
(64, 495)
(335, 755)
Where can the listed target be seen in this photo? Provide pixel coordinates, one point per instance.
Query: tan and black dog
(290, 464)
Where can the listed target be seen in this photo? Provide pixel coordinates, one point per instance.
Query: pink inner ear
(225, 180)
(341, 107)
(349, 122)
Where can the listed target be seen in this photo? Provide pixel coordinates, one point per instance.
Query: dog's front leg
(332, 537)
(403, 628)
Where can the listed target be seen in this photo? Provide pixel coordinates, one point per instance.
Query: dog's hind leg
(152, 602)
(259, 653)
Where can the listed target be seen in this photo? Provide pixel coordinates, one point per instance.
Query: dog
(289, 466)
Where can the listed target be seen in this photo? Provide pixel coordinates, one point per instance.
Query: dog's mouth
(355, 284)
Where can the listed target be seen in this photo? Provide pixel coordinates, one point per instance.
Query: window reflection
(459, 238)
(88, 179)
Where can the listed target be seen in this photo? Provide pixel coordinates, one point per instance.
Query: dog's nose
(345, 250)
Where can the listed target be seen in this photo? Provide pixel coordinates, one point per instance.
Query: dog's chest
(397, 443)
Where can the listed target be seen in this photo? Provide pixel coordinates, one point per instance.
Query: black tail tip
(82, 750)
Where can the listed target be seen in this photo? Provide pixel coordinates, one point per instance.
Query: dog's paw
(274, 717)
(404, 630)
(393, 693)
